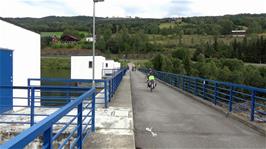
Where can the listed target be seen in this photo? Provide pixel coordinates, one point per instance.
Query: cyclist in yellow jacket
(151, 79)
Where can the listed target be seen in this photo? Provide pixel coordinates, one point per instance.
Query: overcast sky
(124, 8)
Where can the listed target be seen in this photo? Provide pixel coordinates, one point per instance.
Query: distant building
(238, 33)
(89, 39)
(117, 65)
(19, 60)
(81, 67)
(109, 67)
(69, 38)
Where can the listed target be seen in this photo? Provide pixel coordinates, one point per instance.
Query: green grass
(55, 67)
(189, 40)
(167, 25)
(55, 63)
(57, 34)
(256, 64)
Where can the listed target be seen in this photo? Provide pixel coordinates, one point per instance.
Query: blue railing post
(79, 116)
(28, 92)
(253, 106)
(179, 81)
(47, 138)
(105, 94)
(189, 85)
(68, 93)
(230, 99)
(93, 113)
(32, 106)
(172, 80)
(112, 86)
(168, 78)
(183, 83)
(175, 78)
(109, 89)
(196, 87)
(215, 93)
(204, 89)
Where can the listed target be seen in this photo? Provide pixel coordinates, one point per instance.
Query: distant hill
(209, 36)
(197, 25)
(81, 23)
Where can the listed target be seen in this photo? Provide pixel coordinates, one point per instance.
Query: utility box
(81, 67)
(24, 47)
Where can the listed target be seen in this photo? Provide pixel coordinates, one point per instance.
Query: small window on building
(106, 65)
(90, 64)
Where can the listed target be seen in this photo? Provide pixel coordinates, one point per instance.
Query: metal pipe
(93, 47)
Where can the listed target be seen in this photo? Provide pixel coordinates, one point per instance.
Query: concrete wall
(80, 67)
(26, 54)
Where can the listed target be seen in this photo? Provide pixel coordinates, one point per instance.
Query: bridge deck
(114, 125)
(177, 121)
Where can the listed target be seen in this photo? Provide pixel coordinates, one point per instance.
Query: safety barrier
(250, 101)
(29, 103)
(100, 85)
(60, 116)
(105, 87)
(73, 121)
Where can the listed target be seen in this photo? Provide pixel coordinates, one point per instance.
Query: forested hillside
(221, 25)
(197, 46)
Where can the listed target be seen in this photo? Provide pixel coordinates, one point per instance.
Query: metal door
(6, 80)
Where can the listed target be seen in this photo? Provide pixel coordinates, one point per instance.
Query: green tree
(178, 66)
(236, 76)
(227, 26)
(224, 74)
(167, 64)
(187, 64)
(157, 62)
(252, 76)
(254, 27)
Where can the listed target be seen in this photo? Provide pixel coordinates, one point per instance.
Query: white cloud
(222, 7)
(123, 8)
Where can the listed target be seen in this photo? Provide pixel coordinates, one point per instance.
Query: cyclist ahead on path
(150, 72)
(150, 78)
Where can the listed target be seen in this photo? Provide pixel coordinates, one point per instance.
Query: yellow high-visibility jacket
(151, 77)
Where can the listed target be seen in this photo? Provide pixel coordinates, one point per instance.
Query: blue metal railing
(102, 94)
(235, 97)
(29, 99)
(105, 87)
(115, 81)
(81, 115)
(75, 105)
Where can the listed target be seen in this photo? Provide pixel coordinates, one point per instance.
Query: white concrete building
(19, 59)
(108, 67)
(117, 65)
(81, 67)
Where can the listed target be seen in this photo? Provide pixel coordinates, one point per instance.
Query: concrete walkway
(114, 125)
